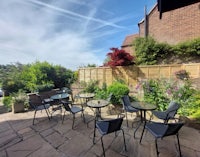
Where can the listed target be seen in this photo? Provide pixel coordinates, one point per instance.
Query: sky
(70, 33)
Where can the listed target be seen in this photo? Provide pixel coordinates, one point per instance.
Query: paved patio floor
(19, 138)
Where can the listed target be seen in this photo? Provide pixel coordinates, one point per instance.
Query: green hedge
(149, 52)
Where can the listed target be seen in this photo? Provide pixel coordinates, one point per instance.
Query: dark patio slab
(19, 138)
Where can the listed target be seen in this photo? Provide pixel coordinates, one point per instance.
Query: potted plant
(19, 101)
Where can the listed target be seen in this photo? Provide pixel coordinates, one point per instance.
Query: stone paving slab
(54, 139)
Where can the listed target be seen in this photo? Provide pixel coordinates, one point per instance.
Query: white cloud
(28, 33)
(65, 32)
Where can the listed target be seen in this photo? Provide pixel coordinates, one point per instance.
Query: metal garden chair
(73, 110)
(127, 107)
(109, 126)
(169, 113)
(38, 105)
(161, 130)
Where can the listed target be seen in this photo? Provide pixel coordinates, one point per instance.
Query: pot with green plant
(19, 102)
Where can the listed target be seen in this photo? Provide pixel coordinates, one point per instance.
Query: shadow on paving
(19, 138)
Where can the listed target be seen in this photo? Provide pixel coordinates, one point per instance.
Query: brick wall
(175, 26)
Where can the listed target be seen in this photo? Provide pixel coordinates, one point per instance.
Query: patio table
(97, 105)
(86, 96)
(57, 99)
(143, 107)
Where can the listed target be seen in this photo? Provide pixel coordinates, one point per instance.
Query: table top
(86, 95)
(143, 105)
(60, 96)
(97, 103)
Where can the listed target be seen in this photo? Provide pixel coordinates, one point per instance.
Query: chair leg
(124, 140)
(179, 148)
(47, 114)
(103, 146)
(126, 119)
(142, 133)
(34, 116)
(63, 117)
(94, 134)
(73, 121)
(83, 116)
(156, 147)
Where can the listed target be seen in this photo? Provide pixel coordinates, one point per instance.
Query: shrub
(90, 87)
(119, 57)
(118, 90)
(161, 92)
(7, 102)
(191, 106)
(102, 93)
(149, 52)
(155, 94)
(45, 87)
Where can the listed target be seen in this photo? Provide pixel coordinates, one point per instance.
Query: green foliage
(191, 106)
(161, 92)
(155, 94)
(20, 97)
(7, 101)
(88, 66)
(35, 77)
(188, 48)
(118, 90)
(75, 76)
(148, 51)
(90, 87)
(10, 77)
(101, 93)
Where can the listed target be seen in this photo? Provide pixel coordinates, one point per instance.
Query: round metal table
(143, 107)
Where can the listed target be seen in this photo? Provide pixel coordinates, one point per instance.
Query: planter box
(18, 107)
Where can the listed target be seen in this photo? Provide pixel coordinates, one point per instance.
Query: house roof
(167, 5)
(149, 13)
(129, 40)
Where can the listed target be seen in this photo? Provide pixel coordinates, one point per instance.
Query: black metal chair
(109, 126)
(38, 105)
(169, 113)
(161, 130)
(127, 107)
(73, 110)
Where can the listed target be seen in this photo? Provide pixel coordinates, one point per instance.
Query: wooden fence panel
(131, 74)
(108, 76)
(193, 69)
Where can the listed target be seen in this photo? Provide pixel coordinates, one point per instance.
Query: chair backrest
(66, 106)
(109, 97)
(34, 101)
(172, 109)
(114, 125)
(126, 101)
(173, 128)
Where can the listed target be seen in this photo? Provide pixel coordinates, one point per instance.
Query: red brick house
(128, 43)
(173, 25)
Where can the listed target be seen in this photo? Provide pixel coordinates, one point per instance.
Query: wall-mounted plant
(182, 75)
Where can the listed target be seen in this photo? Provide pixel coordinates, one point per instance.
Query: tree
(34, 77)
(119, 57)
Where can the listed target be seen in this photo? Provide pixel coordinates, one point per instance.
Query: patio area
(19, 138)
